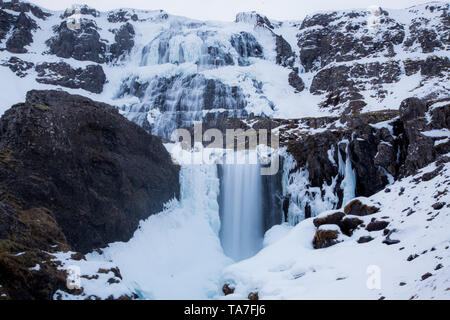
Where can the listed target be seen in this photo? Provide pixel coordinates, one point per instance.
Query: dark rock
(113, 281)
(377, 226)
(92, 78)
(427, 38)
(124, 38)
(25, 7)
(296, 82)
(227, 289)
(119, 16)
(253, 296)
(411, 109)
(18, 66)
(418, 149)
(334, 218)
(321, 44)
(438, 267)
(433, 66)
(78, 256)
(343, 83)
(22, 34)
(438, 206)
(412, 257)
(391, 242)
(366, 239)
(285, 55)
(426, 276)
(348, 225)
(95, 174)
(357, 208)
(386, 157)
(83, 44)
(325, 238)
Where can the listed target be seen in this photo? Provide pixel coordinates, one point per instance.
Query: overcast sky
(225, 10)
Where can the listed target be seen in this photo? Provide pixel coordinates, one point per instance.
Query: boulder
(357, 208)
(227, 289)
(365, 239)
(83, 44)
(348, 225)
(285, 55)
(79, 163)
(334, 218)
(253, 296)
(326, 236)
(377, 226)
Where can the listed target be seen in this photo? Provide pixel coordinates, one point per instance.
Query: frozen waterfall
(242, 229)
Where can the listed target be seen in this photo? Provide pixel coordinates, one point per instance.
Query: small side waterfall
(241, 200)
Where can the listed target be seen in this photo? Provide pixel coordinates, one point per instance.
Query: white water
(242, 217)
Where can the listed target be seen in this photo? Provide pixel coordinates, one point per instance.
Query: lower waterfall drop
(242, 229)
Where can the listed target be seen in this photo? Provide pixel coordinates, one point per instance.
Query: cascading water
(242, 229)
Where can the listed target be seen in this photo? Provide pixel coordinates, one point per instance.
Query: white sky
(226, 10)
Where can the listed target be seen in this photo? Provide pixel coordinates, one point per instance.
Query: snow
(276, 233)
(36, 268)
(437, 133)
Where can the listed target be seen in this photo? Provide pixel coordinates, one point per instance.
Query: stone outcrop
(325, 238)
(97, 173)
(18, 66)
(92, 78)
(20, 27)
(346, 36)
(74, 175)
(82, 44)
(124, 37)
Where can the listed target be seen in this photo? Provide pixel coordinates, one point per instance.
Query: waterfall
(242, 229)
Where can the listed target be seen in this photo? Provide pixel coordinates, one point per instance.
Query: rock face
(92, 78)
(124, 38)
(346, 36)
(325, 238)
(18, 66)
(83, 167)
(19, 27)
(82, 44)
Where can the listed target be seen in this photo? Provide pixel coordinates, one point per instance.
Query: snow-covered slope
(417, 267)
(165, 71)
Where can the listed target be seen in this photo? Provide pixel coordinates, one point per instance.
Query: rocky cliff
(74, 175)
